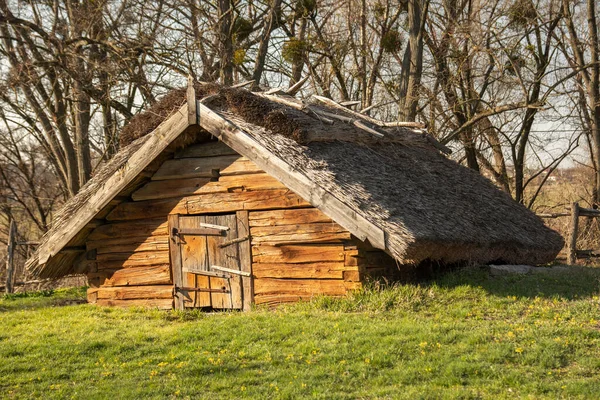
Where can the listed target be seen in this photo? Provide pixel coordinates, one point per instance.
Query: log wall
(297, 252)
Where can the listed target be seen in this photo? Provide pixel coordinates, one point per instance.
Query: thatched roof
(397, 191)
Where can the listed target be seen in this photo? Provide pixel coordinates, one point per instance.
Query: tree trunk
(225, 42)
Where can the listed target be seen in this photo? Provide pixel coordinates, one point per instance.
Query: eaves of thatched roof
(386, 184)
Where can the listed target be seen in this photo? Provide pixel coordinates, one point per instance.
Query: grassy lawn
(465, 335)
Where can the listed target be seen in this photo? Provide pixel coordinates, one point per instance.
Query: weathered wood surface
(209, 203)
(130, 245)
(276, 299)
(147, 227)
(136, 259)
(287, 217)
(136, 292)
(10, 257)
(328, 287)
(317, 270)
(196, 186)
(572, 245)
(297, 254)
(207, 149)
(92, 295)
(162, 304)
(135, 276)
(300, 233)
(242, 143)
(245, 258)
(175, 261)
(204, 167)
(226, 257)
(160, 138)
(194, 256)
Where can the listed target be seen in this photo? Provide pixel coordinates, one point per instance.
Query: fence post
(572, 248)
(10, 257)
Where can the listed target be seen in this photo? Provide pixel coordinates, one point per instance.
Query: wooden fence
(576, 211)
(12, 243)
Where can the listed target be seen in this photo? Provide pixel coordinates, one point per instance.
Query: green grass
(466, 335)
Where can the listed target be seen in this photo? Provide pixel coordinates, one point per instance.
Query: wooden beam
(10, 260)
(244, 144)
(192, 110)
(157, 141)
(292, 90)
(572, 248)
(243, 84)
(245, 256)
(176, 261)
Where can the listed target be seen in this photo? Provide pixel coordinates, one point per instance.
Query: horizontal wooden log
(209, 203)
(205, 167)
(297, 254)
(276, 299)
(287, 217)
(162, 304)
(130, 245)
(135, 276)
(136, 292)
(331, 270)
(135, 259)
(300, 233)
(146, 227)
(92, 295)
(195, 186)
(303, 287)
(208, 149)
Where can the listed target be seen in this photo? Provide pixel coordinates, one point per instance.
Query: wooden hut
(224, 198)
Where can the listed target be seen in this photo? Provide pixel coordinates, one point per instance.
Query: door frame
(244, 253)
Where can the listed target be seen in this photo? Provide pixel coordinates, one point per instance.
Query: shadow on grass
(563, 282)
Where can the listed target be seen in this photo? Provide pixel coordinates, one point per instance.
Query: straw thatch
(429, 207)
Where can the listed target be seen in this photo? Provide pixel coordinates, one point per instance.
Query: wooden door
(207, 251)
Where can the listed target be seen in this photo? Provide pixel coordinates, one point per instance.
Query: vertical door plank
(225, 257)
(176, 264)
(245, 259)
(194, 254)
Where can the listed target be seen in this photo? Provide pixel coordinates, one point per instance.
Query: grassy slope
(466, 336)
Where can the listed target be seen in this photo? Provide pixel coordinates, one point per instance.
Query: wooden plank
(192, 111)
(226, 257)
(157, 141)
(207, 149)
(317, 270)
(193, 167)
(300, 233)
(202, 231)
(135, 276)
(303, 287)
(245, 259)
(277, 299)
(10, 254)
(136, 292)
(194, 255)
(195, 186)
(287, 217)
(162, 304)
(136, 259)
(209, 203)
(175, 261)
(152, 243)
(141, 228)
(297, 254)
(92, 295)
(320, 198)
(572, 245)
